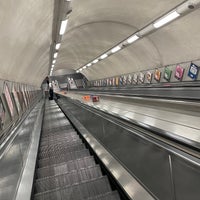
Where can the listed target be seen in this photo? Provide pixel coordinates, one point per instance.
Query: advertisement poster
(9, 100)
(2, 114)
(25, 100)
(141, 77)
(193, 71)
(121, 80)
(117, 81)
(167, 74)
(148, 77)
(107, 82)
(179, 72)
(124, 80)
(113, 79)
(16, 99)
(110, 81)
(157, 75)
(21, 100)
(129, 78)
(135, 78)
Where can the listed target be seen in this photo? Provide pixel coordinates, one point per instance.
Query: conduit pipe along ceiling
(62, 18)
(172, 15)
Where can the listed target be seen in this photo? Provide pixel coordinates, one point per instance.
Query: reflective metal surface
(157, 166)
(13, 161)
(26, 182)
(130, 185)
(178, 124)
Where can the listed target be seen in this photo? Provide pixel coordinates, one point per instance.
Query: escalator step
(53, 135)
(55, 129)
(58, 145)
(65, 137)
(63, 158)
(75, 147)
(64, 180)
(65, 167)
(108, 196)
(77, 192)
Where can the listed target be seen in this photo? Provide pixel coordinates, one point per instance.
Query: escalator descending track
(65, 168)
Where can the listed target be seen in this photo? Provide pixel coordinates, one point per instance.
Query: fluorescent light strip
(54, 61)
(115, 49)
(95, 61)
(57, 46)
(89, 64)
(63, 26)
(132, 39)
(55, 55)
(166, 19)
(104, 56)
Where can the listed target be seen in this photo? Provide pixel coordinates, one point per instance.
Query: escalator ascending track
(66, 170)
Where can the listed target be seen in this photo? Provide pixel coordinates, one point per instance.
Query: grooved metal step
(52, 131)
(59, 145)
(64, 137)
(63, 158)
(65, 167)
(61, 132)
(108, 196)
(66, 170)
(81, 191)
(75, 147)
(64, 180)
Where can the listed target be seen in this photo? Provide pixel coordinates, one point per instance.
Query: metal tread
(67, 136)
(80, 191)
(67, 179)
(52, 131)
(65, 167)
(65, 157)
(108, 196)
(74, 147)
(58, 133)
(59, 144)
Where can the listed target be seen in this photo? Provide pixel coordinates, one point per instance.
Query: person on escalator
(50, 92)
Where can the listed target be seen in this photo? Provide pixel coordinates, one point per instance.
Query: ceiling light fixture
(166, 19)
(95, 61)
(115, 49)
(84, 67)
(55, 55)
(132, 39)
(54, 61)
(104, 56)
(63, 26)
(57, 46)
(89, 64)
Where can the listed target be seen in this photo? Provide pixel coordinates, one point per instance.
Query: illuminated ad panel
(8, 100)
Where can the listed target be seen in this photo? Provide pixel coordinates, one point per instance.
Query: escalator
(65, 169)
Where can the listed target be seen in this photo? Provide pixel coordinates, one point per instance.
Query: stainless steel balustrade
(166, 172)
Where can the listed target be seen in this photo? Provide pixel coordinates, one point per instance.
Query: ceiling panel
(25, 38)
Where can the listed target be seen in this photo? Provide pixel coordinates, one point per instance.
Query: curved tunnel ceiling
(93, 28)
(25, 38)
(96, 26)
